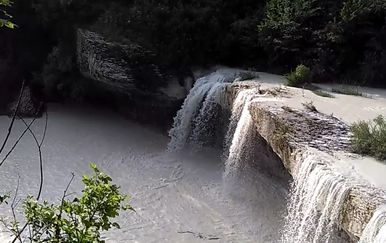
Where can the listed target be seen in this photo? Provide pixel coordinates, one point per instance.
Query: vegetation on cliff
(369, 138)
(342, 41)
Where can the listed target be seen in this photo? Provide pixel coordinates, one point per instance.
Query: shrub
(369, 138)
(299, 77)
(79, 220)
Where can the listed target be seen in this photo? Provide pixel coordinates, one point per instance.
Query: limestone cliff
(293, 133)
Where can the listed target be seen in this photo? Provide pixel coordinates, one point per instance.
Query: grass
(316, 90)
(347, 91)
(322, 93)
(310, 106)
(369, 138)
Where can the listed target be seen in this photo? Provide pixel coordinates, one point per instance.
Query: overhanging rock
(293, 134)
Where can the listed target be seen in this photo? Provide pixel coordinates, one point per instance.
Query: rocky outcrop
(292, 133)
(139, 87)
(28, 107)
(122, 68)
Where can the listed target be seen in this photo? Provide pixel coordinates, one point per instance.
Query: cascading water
(318, 191)
(315, 203)
(375, 231)
(240, 132)
(192, 120)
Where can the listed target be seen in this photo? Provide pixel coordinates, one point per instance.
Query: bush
(299, 77)
(79, 220)
(369, 138)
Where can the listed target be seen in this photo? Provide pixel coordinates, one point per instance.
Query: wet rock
(130, 73)
(29, 106)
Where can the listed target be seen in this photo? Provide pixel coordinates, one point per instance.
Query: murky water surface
(179, 197)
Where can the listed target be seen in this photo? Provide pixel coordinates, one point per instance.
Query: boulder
(29, 106)
(131, 75)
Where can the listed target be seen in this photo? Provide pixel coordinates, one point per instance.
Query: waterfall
(317, 192)
(240, 132)
(200, 106)
(315, 202)
(375, 231)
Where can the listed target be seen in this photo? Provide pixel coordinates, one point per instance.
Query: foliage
(79, 220)
(299, 77)
(369, 138)
(336, 39)
(286, 28)
(4, 16)
(353, 9)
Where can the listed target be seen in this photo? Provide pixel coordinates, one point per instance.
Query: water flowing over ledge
(375, 230)
(327, 202)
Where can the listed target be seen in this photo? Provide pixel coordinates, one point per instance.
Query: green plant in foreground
(369, 138)
(299, 77)
(79, 220)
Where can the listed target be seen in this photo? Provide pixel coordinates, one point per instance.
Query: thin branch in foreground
(24, 132)
(13, 208)
(39, 146)
(17, 142)
(57, 230)
(13, 117)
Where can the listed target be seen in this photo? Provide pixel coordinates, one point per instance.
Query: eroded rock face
(29, 106)
(139, 87)
(293, 133)
(122, 68)
(127, 69)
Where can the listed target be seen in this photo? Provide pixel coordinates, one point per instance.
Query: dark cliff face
(143, 46)
(60, 62)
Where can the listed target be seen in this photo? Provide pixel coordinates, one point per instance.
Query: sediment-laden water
(185, 189)
(179, 197)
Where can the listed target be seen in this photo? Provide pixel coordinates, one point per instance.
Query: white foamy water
(375, 231)
(240, 132)
(201, 107)
(179, 197)
(315, 203)
(318, 192)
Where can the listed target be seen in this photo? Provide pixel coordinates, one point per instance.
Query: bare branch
(13, 207)
(17, 142)
(57, 230)
(13, 117)
(39, 145)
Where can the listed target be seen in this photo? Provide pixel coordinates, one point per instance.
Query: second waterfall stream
(317, 190)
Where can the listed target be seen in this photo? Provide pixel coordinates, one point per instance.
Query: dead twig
(17, 142)
(13, 208)
(39, 147)
(13, 118)
(57, 230)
